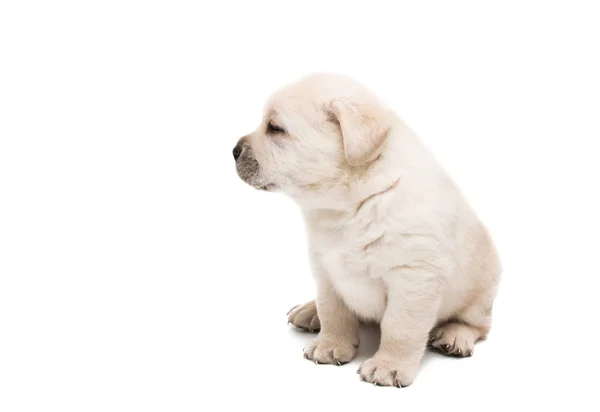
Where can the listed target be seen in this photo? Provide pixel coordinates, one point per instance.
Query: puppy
(391, 238)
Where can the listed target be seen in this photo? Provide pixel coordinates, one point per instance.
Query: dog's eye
(271, 128)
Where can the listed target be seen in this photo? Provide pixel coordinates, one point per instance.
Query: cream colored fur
(391, 238)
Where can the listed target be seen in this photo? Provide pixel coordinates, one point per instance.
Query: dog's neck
(349, 196)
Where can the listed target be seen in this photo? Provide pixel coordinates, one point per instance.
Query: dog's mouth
(268, 187)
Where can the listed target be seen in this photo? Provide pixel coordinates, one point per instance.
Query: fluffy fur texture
(391, 238)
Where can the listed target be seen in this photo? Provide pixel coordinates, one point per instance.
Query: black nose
(237, 151)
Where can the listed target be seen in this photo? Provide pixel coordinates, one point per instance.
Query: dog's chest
(353, 265)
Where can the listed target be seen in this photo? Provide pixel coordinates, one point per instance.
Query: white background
(138, 273)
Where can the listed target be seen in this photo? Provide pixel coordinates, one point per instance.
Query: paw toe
(385, 373)
(330, 351)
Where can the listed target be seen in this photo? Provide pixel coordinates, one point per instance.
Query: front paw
(331, 350)
(384, 371)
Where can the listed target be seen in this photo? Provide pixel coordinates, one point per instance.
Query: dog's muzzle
(246, 164)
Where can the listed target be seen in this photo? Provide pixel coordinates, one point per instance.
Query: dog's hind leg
(305, 317)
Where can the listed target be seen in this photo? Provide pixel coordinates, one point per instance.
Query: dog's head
(314, 134)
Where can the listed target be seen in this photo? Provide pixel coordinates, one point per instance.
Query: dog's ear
(364, 129)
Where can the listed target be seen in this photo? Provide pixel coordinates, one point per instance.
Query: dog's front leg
(338, 339)
(413, 298)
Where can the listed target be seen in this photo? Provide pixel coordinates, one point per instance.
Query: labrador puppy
(391, 238)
